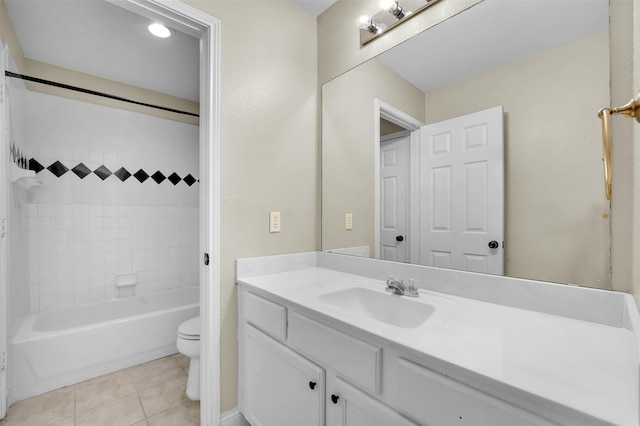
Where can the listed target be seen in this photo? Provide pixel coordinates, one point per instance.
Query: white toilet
(189, 345)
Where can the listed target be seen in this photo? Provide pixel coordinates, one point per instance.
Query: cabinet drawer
(432, 398)
(353, 359)
(266, 315)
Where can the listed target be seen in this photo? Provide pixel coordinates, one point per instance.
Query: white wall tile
(84, 231)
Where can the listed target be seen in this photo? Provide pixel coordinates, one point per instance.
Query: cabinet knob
(312, 385)
(335, 398)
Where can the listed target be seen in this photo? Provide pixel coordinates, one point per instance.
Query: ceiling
(103, 39)
(490, 34)
(100, 38)
(315, 7)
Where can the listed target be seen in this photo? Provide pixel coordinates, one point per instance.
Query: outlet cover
(274, 222)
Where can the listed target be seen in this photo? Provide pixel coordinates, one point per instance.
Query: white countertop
(583, 365)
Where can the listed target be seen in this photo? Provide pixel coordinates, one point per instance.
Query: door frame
(404, 120)
(206, 28)
(4, 252)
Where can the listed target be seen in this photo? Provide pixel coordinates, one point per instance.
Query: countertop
(584, 366)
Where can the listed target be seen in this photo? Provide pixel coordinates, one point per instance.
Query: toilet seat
(190, 329)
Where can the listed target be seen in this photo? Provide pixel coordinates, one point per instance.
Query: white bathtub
(60, 347)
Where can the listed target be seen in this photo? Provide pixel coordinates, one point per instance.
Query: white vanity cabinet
(297, 370)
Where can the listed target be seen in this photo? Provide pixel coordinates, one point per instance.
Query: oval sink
(392, 309)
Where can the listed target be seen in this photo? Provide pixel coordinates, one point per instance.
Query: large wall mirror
(545, 66)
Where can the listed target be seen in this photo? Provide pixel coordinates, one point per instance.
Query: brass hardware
(632, 110)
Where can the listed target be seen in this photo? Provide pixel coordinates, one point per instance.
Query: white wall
(84, 231)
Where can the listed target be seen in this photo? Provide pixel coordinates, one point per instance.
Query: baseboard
(233, 418)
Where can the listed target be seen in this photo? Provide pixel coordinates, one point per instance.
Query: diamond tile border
(81, 171)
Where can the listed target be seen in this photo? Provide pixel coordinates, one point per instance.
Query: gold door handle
(632, 109)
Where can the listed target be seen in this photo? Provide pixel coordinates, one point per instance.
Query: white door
(394, 171)
(462, 193)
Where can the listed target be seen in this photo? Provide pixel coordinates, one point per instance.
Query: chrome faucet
(399, 287)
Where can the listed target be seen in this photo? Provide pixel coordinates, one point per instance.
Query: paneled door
(462, 193)
(394, 169)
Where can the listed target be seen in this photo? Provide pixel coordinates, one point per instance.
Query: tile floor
(150, 394)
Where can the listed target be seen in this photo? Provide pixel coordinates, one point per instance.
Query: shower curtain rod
(93, 92)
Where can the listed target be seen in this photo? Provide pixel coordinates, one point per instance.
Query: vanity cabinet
(281, 388)
(295, 370)
(355, 408)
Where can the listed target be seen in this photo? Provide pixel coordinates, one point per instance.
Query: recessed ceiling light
(159, 30)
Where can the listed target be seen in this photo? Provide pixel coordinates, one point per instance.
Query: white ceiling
(315, 7)
(97, 37)
(490, 34)
(100, 38)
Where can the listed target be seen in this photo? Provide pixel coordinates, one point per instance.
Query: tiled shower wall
(119, 195)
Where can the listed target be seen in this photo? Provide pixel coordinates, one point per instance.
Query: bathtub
(59, 347)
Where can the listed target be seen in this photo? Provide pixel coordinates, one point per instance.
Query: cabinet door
(355, 408)
(282, 387)
(434, 399)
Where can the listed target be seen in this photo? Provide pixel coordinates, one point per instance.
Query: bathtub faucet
(401, 288)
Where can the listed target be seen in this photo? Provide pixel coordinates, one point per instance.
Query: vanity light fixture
(390, 15)
(368, 24)
(394, 8)
(159, 30)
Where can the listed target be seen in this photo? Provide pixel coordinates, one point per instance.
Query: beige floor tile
(163, 396)
(155, 372)
(123, 412)
(103, 389)
(186, 413)
(43, 409)
(183, 362)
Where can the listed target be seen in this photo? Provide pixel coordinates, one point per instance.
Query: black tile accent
(35, 166)
(58, 169)
(174, 178)
(158, 177)
(141, 175)
(81, 170)
(189, 180)
(102, 172)
(122, 174)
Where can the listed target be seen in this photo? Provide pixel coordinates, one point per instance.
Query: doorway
(207, 29)
(449, 212)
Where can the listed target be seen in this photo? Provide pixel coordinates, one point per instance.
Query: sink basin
(400, 311)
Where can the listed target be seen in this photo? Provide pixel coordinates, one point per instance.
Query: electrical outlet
(274, 221)
(348, 221)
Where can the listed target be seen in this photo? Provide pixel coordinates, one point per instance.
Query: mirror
(547, 64)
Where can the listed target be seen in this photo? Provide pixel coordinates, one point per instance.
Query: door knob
(493, 244)
(399, 238)
(335, 398)
(312, 385)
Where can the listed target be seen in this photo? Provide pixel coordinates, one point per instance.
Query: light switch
(348, 221)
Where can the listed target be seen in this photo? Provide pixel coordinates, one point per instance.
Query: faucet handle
(412, 288)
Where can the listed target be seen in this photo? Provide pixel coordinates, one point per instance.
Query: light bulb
(159, 30)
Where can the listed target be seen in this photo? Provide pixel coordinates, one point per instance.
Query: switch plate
(274, 221)
(348, 221)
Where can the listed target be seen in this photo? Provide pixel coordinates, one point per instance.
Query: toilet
(189, 345)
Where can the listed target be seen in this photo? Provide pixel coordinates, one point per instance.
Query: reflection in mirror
(546, 63)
